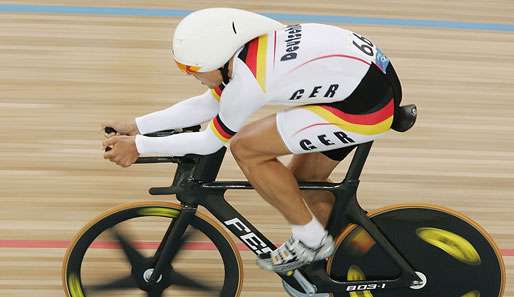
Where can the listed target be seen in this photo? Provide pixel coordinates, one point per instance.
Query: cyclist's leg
(315, 167)
(256, 148)
(300, 130)
(331, 135)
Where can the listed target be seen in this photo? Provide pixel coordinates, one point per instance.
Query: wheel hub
(416, 285)
(148, 273)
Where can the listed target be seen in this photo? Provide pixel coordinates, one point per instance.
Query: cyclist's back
(315, 63)
(308, 63)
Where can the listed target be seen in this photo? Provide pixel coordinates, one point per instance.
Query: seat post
(357, 164)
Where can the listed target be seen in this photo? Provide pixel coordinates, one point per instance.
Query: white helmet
(206, 39)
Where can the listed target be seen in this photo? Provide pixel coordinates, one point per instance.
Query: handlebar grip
(109, 130)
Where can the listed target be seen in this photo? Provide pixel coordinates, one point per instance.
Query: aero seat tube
(357, 164)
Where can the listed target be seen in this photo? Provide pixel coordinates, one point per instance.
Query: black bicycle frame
(194, 184)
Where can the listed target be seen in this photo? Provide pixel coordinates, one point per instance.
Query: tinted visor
(186, 68)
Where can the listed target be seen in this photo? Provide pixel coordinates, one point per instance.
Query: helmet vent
(234, 27)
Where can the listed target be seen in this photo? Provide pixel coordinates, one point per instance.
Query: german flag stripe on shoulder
(216, 92)
(220, 130)
(254, 55)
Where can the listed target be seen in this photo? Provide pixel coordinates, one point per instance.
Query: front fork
(171, 242)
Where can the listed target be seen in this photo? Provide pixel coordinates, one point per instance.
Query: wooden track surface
(62, 74)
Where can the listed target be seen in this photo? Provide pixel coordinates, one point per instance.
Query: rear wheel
(114, 256)
(455, 255)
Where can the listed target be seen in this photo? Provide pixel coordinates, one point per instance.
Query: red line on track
(60, 244)
(507, 252)
(197, 245)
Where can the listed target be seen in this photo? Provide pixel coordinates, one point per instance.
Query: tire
(92, 260)
(457, 257)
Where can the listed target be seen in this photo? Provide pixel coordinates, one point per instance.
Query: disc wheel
(454, 254)
(114, 255)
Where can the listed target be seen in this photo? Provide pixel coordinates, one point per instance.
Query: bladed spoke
(126, 282)
(182, 280)
(154, 293)
(134, 257)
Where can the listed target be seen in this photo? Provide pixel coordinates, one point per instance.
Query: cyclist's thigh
(325, 127)
(259, 138)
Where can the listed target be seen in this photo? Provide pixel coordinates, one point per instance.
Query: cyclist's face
(211, 79)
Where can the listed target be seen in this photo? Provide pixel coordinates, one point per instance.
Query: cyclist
(340, 88)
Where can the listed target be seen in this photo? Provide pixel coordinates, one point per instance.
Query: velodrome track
(68, 65)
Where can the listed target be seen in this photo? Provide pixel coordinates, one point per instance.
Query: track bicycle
(167, 249)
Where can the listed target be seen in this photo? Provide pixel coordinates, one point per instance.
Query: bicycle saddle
(404, 118)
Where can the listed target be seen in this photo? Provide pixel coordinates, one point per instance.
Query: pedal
(309, 288)
(295, 293)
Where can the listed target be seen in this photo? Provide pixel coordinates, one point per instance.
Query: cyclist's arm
(190, 112)
(240, 99)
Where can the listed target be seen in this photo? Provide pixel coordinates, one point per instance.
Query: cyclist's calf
(315, 167)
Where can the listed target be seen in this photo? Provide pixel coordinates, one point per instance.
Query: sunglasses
(186, 68)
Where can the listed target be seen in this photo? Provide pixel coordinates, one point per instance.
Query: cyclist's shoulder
(247, 82)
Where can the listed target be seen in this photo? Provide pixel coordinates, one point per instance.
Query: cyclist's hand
(123, 128)
(123, 150)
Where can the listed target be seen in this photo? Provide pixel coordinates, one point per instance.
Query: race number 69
(365, 46)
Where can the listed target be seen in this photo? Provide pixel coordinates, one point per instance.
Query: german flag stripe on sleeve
(220, 130)
(254, 55)
(366, 124)
(216, 92)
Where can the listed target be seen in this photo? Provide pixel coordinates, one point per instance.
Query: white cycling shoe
(294, 254)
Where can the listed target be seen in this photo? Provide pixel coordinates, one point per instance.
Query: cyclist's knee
(246, 150)
(241, 148)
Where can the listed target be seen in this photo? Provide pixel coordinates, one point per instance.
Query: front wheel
(453, 254)
(114, 256)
